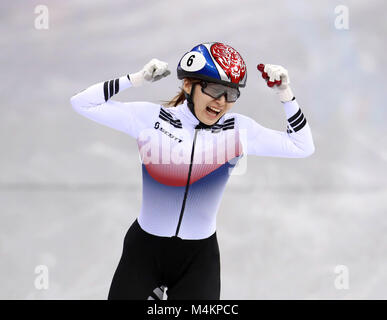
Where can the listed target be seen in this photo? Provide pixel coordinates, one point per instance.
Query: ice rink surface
(70, 188)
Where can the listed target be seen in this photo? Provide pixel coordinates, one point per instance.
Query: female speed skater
(188, 149)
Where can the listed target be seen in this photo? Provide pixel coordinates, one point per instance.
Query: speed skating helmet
(214, 62)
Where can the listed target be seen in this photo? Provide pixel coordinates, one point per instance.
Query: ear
(187, 86)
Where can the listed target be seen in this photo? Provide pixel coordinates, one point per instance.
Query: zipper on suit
(197, 128)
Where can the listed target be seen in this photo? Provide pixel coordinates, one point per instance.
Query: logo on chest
(166, 116)
(158, 127)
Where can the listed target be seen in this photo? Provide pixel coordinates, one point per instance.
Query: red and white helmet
(214, 62)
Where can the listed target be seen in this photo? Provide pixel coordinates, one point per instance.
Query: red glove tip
(264, 75)
(278, 82)
(261, 67)
(270, 84)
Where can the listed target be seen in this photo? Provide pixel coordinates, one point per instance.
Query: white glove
(154, 70)
(277, 77)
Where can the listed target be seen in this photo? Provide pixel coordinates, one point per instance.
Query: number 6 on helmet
(213, 62)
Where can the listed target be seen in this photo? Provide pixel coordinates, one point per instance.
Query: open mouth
(212, 111)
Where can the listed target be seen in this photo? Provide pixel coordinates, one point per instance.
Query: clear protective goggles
(216, 90)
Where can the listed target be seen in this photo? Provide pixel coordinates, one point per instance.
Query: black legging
(190, 269)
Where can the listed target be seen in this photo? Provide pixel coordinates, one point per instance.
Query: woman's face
(204, 104)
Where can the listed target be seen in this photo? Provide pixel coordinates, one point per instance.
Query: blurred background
(70, 188)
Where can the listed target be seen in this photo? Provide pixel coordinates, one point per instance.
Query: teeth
(212, 108)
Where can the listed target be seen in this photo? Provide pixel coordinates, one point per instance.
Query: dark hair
(180, 97)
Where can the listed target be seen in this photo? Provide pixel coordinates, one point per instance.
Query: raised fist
(154, 70)
(277, 77)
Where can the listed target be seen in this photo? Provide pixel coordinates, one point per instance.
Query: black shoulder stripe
(229, 120)
(169, 120)
(295, 116)
(167, 117)
(165, 113)
(226, 125)
(111, 88)
(176, 125)
(218, 129)
(164, 117)
(116, 86)
(105, 90)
